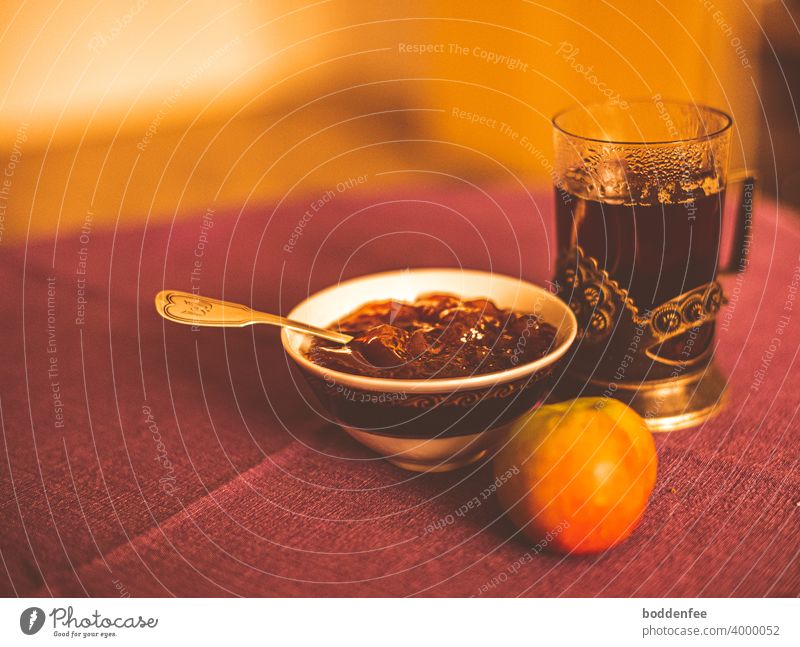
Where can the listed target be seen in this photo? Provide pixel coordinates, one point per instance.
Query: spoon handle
(195, 310)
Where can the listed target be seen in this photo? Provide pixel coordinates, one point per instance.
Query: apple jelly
(436, 336)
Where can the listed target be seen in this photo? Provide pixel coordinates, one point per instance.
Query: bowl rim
(435, 385)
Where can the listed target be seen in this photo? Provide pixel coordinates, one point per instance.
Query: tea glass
(640, 191)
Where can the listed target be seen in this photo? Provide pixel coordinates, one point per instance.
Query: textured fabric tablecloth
(148, 459)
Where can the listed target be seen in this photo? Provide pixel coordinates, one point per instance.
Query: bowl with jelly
(442, 361)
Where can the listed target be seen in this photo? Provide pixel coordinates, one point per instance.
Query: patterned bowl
(434, 424)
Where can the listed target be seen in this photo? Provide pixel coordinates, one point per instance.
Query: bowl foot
(432, 454)
(448, 466)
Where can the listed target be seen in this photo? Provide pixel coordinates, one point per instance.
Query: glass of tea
(640, 190)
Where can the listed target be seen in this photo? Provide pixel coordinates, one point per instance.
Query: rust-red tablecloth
(148, 459)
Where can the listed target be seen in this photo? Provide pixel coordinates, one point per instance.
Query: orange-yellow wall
(135, 108)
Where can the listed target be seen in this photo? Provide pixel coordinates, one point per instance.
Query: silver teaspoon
(195, 310)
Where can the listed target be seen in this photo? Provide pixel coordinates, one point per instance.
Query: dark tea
(655, 251)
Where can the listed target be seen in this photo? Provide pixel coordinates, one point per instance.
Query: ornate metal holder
(657, 360)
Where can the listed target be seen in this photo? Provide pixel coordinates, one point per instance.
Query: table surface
(149, 459)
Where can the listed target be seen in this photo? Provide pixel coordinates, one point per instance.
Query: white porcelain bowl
(432, 424)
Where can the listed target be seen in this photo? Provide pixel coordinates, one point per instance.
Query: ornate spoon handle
(195, 310)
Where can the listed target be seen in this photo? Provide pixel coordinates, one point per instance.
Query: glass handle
(744, 222)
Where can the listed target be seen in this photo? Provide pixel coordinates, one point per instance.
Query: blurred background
(136, 111)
